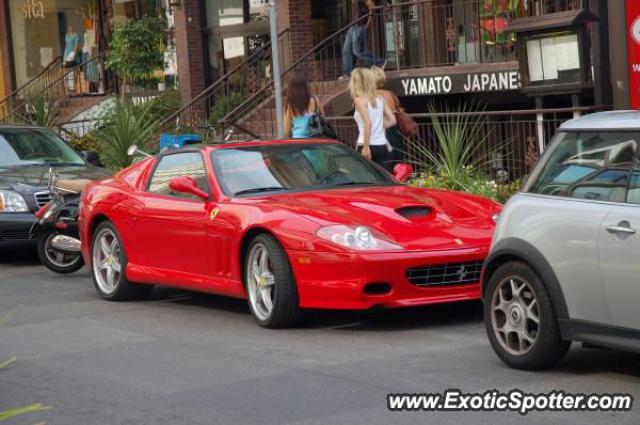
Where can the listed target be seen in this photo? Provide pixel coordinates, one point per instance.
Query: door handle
(622, 228)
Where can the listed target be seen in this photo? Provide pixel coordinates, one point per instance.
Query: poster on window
(633, 46)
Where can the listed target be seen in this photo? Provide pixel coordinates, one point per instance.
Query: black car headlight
(11, 201)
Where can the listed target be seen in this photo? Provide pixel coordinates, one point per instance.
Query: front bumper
(15, 228)
(337, 280)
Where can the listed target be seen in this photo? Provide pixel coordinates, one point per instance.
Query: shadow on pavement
(19, 255)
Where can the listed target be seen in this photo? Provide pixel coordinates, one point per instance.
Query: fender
(517, 249)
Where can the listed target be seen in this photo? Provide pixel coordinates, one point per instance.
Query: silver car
(565, 260)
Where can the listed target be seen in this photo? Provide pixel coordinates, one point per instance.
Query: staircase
(63, 91)
(17, 99)
(323, 63)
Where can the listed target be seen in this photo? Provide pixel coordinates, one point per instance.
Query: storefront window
(43, 30)
(133, 9)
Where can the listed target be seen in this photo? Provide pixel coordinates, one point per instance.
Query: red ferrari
(290, 225)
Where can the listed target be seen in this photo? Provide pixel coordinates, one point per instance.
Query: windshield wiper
(353, 184)
(259, 189)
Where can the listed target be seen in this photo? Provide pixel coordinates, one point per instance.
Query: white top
(376, 116)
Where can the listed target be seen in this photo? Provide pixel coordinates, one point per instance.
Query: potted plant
(136, 50)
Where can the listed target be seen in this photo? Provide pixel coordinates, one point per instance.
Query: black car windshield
(293, 167)
(31, 146)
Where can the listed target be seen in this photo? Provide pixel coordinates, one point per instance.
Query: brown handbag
(406, 125)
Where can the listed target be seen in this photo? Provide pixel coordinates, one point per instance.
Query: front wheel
(271, 287)
(108, 265)
(520, 319)
(55, 260)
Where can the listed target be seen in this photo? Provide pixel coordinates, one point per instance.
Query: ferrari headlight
(12, 202)
(358, 238)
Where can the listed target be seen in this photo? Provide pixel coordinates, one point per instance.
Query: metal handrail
(55, 62)
(215, 85)
(73, 69)
(309, 53)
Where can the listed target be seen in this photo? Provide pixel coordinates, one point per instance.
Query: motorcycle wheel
(57, 261)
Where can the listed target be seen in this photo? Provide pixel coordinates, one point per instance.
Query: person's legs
(360, 47)
(347, 54)
(381, 156)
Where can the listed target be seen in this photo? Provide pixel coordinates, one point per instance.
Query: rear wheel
(520, 320)
(55, 260)
(271, 288)
(108, 265)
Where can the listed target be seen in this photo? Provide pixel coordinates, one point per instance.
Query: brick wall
(296, 15)
(190, 49)
(6, 71)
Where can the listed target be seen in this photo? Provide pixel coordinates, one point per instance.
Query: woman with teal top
(71, 47)
(300, 108)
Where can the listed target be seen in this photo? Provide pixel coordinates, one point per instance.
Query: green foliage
(38, 110)
(466, 180)
(165, 104)
(461, 154)
(126, 125)
(137, 49)
(222, 107)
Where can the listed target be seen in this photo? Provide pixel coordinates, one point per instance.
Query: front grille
(414, 212)
(15, 236)
(42, 198)
(448, 274)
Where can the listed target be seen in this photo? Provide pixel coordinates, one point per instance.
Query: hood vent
(414, 212)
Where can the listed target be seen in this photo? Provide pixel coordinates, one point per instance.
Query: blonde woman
(395, 138)
(372, 116)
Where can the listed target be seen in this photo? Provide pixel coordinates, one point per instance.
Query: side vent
(414, 212)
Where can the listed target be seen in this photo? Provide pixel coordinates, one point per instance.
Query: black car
(26, 155)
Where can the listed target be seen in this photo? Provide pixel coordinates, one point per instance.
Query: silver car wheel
(106, 265)
(58, 258)
(260, 282)
(515, 315)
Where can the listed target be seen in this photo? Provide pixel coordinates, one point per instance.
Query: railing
(250, 76)
(79, 82)
(420, 33)
(511, 147)
(45, 77)
(323, 66)
(427, 33)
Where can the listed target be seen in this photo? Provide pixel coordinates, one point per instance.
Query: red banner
(633, 46)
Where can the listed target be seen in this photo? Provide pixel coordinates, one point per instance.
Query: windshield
(29, 146)
(300, 166)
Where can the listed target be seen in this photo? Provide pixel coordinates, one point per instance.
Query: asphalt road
(184, 358)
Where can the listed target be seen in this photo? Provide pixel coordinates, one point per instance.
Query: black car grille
(459, 273)
(42, 198)
(414, 212)
(16, 236)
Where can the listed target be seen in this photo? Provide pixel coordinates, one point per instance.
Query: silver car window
(590, 165)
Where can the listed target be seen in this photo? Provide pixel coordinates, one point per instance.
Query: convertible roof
(232, 145)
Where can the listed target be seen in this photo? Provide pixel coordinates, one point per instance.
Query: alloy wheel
(260, 282)
(106, 264)
(515, 315)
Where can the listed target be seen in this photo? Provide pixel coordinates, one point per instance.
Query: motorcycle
(57, 226)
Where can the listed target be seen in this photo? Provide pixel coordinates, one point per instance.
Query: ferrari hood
(414, 218)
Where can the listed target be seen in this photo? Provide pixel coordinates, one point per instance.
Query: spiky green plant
(461, 152)
(126, 125)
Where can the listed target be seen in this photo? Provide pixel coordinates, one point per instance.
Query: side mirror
(92, 158)
(134, 150)
(187, 185)
(402, 172)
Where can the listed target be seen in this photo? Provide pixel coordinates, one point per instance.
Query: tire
(57, 262)
(275, 282)
(510, 321)
(117, 288)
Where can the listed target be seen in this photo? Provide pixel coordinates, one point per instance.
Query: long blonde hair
(379, 77)
(362, 84)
